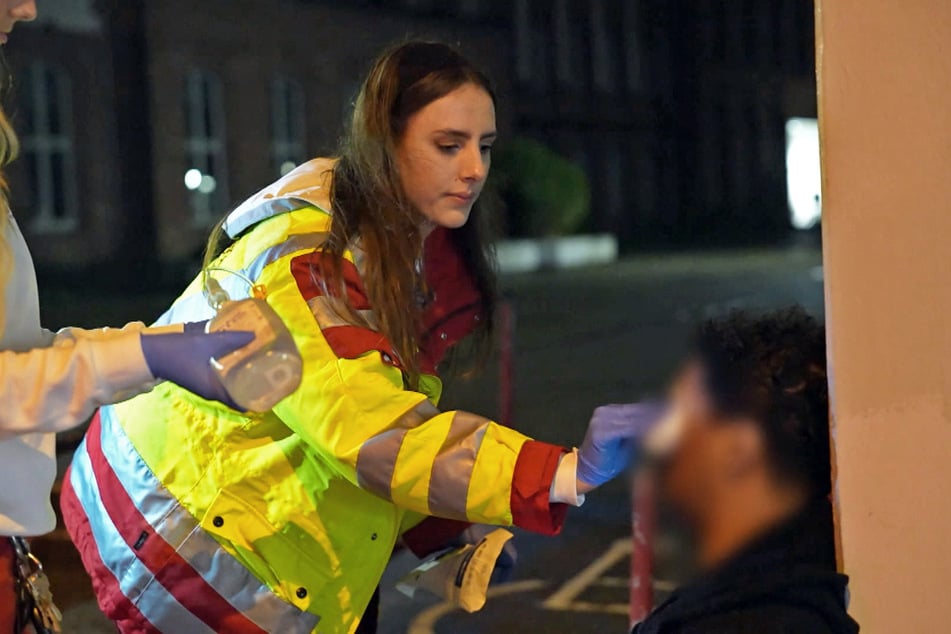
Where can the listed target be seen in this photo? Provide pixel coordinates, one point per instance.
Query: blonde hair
(9, 148)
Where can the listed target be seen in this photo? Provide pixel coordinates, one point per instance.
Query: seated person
(750, 473)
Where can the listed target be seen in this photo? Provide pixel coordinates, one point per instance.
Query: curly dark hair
(772, 369)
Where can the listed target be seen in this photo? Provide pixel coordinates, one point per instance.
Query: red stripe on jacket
(351, 341)
(531, 504)
(453, 312)
(170, 568)
(109, 595)
(308, 270)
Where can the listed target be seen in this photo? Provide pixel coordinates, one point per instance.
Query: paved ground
(584, 338)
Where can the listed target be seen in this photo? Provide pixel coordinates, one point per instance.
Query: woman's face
(13, 11)
(444, 155)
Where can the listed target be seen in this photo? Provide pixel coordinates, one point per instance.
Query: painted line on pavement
(566, 594)
(425, 621)
(564, 599)
(622, 609)
(612, 582)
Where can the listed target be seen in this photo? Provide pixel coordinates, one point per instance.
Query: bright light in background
(193, 179)
(208, 184)
(803, 177)
(287, 167)
(204, 183)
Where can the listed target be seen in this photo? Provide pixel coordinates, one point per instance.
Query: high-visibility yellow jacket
(290, 517)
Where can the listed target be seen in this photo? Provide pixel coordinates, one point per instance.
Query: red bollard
(506, 362)
(642, 557)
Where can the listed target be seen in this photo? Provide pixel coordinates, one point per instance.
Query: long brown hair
(370, 208)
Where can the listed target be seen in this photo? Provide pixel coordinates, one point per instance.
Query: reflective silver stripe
(134, 579)
(195, 307)
(308, 184)
(376, 461)
(255, 210)
(299, 242)
(179, 528)
(452, 468)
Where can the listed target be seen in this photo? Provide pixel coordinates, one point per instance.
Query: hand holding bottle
(184, 358)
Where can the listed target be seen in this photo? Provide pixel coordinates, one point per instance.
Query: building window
(571, 42)
(605, 45)
(566, 51)
(288, 147)
(631, 37)
(542, 52)
(206, 175)
(47, 144)
(536, 55)
(523, 41)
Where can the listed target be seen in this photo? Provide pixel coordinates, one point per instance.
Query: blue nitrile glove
(606, 450)
(183, 358)
(505, 564)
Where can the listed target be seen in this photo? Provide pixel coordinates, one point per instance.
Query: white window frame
(288, 124)
(206, 144)
(40, 144)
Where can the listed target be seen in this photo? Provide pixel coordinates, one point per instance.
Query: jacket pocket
(264, 550)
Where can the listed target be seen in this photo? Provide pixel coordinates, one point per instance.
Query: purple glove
(183, 358)
(505, 564)
(606, 450)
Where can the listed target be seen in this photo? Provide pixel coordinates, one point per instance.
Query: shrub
(545, 193)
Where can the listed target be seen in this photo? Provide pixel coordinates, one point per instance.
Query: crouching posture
(194, 518)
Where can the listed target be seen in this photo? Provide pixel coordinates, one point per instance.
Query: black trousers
(372, 616)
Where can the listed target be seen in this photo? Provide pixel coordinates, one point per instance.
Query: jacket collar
(792, 564)
(308, 184)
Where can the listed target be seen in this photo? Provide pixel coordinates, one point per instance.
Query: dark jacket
(784, 583)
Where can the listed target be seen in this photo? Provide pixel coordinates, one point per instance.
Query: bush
(545, 193)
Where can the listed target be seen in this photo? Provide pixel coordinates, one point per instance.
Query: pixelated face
(445, 153)
(13, 11)
(711, 451)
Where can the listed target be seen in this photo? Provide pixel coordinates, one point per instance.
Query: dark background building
(143, 121)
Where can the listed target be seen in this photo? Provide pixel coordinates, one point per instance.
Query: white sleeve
(53, 389)
(564, 486)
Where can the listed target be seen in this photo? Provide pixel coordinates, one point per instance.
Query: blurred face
(444, 155)
(712, 454)
(13, 11)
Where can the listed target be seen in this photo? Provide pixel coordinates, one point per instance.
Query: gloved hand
(505, 564)
(606, 450)
(183, 358)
